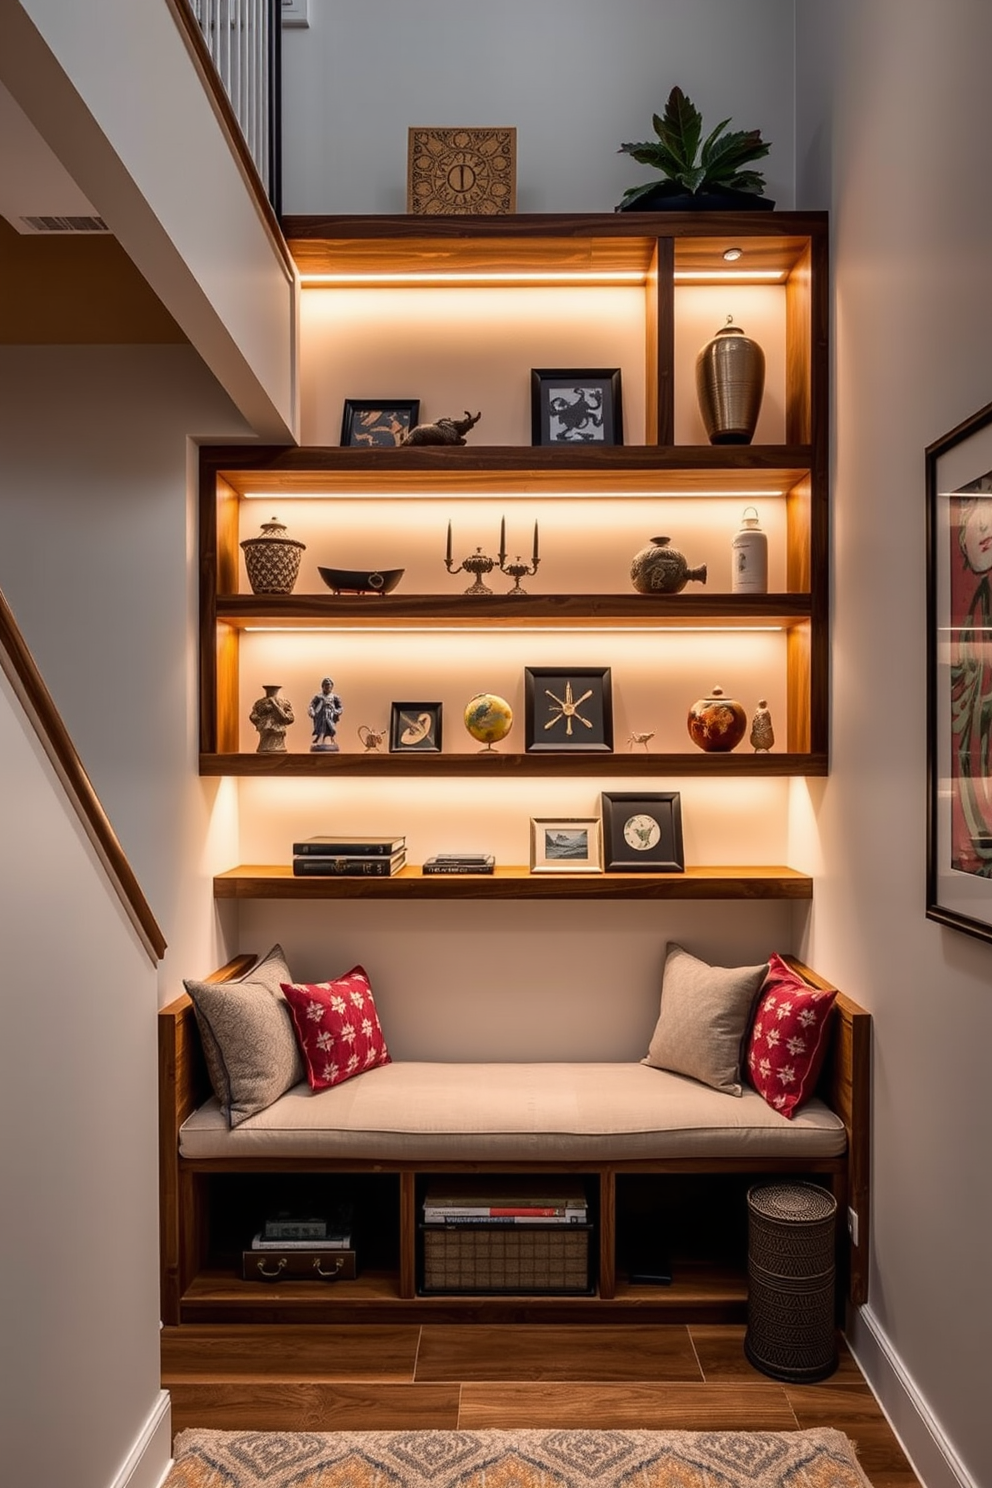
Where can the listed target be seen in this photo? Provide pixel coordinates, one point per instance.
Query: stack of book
(544, 1201)
(460, 862)
(292, 1246)
(349, 857)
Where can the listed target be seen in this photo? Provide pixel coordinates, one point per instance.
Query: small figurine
(272, 715)
(371, 738)
(644, 739)
(325, 709)
(762, 735)
(445, 431)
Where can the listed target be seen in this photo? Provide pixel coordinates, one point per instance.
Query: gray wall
(575, 77)
(893, 137)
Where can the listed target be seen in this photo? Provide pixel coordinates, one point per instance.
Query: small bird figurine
(640, 739)
(762, 735)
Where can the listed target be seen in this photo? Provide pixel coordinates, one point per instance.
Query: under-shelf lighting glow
(499, 630)
(749, 493)
(776, 276)
(412, 278)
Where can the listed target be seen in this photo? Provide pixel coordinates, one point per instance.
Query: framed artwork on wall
(642, 832)
(415, 728)
(572, 406)
(378, 423)
(959, 677)
(565, 844)
(568, 709)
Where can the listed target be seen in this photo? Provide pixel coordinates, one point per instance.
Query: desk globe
(488, 718)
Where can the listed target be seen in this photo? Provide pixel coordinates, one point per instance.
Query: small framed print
(452, 172)
(642, 832)
(572, 406)
(568, 709)
(415, 728)
(378, 423)
(565, 844)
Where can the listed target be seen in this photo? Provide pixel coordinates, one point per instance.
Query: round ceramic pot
(272, 560)
(660, 569)
(716, 723)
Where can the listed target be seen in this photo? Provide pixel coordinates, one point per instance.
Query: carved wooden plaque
(462, 172)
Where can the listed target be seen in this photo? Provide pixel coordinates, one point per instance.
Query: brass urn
(730, 382)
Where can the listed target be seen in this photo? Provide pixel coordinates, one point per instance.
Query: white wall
(575, 77)
(78, 1272)
(98, 563)
(894, 139)
(111, 88)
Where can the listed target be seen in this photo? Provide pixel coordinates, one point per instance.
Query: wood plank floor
(364, 1378)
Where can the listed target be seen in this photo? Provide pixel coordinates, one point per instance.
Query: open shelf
(278, 882)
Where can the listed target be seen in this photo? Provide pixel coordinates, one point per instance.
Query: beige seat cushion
(508, 1112)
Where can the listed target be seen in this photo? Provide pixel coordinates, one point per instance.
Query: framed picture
(568, 709)
(642, 832)
(959, 677)
(576, 406)
(565, 844)
(415, 728)
(378, 422)
(455, 172)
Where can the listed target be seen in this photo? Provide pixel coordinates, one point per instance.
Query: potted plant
(710, 178)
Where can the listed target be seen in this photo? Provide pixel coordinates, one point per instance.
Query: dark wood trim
(495, 765)
(19, 666)
(200, 56)
(565, 609)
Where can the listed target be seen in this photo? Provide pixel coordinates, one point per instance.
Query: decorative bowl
(361, 580)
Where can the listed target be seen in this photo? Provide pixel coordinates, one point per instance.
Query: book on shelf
(455, 1221)
(348, 867)
(540, 1202)
(460, 863)
(349, 847)
(327, 1242)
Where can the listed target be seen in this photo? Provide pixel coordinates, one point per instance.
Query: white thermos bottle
(750, 556)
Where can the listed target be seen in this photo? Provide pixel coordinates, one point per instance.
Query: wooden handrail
(22, 673)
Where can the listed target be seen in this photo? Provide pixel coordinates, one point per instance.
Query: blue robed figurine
(325, 709)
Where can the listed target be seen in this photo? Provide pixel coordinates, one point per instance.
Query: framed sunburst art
(568, 710)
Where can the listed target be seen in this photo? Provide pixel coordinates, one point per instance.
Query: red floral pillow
(337, 1027)
(788, 1039)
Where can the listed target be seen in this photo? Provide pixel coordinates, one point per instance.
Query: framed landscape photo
(378, 423)
(576, 406)
(565, 844)
(568, 709)
(959, 677)
(642, 832)
(415, 728)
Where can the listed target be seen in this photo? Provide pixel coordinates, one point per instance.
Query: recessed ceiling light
(733, 254)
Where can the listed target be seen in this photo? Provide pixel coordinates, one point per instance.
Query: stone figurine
(445, 431)
(325, 709)
(762, 735)
(272, 715)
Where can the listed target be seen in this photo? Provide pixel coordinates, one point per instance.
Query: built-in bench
(625, 1128)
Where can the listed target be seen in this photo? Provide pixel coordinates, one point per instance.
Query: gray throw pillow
(248, 1039)
(705, 1011)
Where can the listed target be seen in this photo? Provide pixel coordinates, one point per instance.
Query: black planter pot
(667, 197)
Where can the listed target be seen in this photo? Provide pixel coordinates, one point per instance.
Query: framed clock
(642, 832)
(461, 172)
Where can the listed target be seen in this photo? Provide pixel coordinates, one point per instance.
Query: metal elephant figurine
(445, 431)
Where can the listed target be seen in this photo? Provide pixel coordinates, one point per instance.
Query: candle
(448, 555)
(535, 543)
(502, 540)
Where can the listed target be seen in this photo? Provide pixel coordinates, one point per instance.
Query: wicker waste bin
(790, 1307)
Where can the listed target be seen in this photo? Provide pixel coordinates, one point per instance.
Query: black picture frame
(576, 406)
(568, 710)
(642, 832)
(378, 423)
(959, 677)
(415, 728)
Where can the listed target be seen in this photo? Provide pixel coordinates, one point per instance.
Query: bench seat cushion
(421, 1112)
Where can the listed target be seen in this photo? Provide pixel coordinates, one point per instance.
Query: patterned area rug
(515, 1459)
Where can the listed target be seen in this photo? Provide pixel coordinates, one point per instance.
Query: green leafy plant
(678, 156)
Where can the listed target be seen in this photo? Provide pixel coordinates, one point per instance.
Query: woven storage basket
(272, 560)
(506, 1258)
(790, 1309)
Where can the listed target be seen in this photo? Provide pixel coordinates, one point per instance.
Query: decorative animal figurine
(445, 431)
(371, 738)
(644, 739)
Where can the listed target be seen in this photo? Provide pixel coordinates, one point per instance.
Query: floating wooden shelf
(497, 766)
(278, 882)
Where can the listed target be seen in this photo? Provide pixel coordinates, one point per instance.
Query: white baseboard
(933, 1459)
(151, 1456)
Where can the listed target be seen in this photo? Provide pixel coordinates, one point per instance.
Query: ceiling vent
(64, 225)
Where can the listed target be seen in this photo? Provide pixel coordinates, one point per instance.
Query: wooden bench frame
(844, 1085)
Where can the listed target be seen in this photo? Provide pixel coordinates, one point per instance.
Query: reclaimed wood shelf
(497, 766)
(733, 882)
